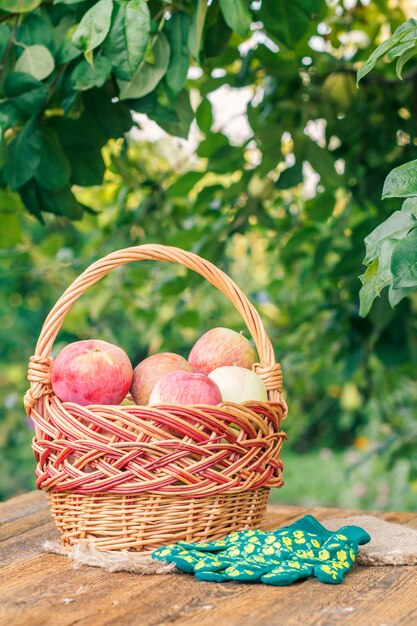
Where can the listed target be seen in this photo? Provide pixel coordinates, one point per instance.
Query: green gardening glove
(279, 557)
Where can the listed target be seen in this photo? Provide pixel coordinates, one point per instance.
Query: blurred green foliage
(391, 248)
(284, 210)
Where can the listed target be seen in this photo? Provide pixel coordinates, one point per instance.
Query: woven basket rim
(185, 450)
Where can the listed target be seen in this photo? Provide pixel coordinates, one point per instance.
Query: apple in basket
(91, 372)
(185, 388)
(238, 384)
(150, 370)
(221, 346)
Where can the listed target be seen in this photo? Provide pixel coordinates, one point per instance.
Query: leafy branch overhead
(391, 249)
(72, 72)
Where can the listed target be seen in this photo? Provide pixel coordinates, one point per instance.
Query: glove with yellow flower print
(279, 557)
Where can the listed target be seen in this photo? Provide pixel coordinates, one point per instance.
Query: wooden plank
(22, 505)
(89, 596)
(38, 589)
(27, 543)
(23, 524)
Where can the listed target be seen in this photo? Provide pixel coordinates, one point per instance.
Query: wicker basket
(116, 475)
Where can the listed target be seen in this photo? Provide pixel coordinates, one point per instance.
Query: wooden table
(44, 589)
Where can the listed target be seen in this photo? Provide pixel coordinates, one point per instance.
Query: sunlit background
(278, 183)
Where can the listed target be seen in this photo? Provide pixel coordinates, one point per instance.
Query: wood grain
(39, 589)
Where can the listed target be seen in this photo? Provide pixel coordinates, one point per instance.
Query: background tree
(284, 206)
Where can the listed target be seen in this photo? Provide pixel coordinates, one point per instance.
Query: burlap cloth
(391, 544)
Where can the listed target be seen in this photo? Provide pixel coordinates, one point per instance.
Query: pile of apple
(218, 370)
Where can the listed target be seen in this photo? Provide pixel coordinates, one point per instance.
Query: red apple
(149, 371)
(91, 372)
(238, 384)
(185, 388)
(221, 346)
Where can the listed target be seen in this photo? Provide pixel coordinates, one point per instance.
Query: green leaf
(82, 145)
(177, 30)
(396, 295)
(405, 27)
(222, 157)
(94, 26)
(290, 177)
(307, 235)
(147, 75)
(386, 46)
(35, 30)
(26, 92)
(67, 52)
(183, 185)
(10, 233)
(110, 119)
(23, 155)
(404, 262)
(10, 201)
(321, 206)
(339, 87)
(401, 182)
(60, 203)
(172, 114)
(289, 21)
(62, 33)
(179, 124)
(171, 286)
(128, 37)
(5, 32)
(37, 61)
(19, 6)
(216, 35)
(196, 27)
(10, 115)
(377, 54)
(86, 77)
(30, 198)
(204, 116)
(409, 204)
(404, 58)
(54, 170)
(377, 277)
(323, 162)
(212, 144)
(399, 49)
(10, 207)
(395, 227)
(237, 15)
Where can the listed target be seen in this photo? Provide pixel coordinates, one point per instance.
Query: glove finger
(218, 577)
(246, 571)
(287, 573)
(338, 549)
(234, 538)
(205, 546)
(328, 573)
(166, 553)
(184, 561)
(354, 535)
(334, 570)
(212, 563)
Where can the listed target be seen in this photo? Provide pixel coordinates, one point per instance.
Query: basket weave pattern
(138, 477)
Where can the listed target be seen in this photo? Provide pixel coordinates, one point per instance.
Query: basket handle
(40, 363)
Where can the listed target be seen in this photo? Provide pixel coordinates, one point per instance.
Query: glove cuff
(355, 534)
(309, 524)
